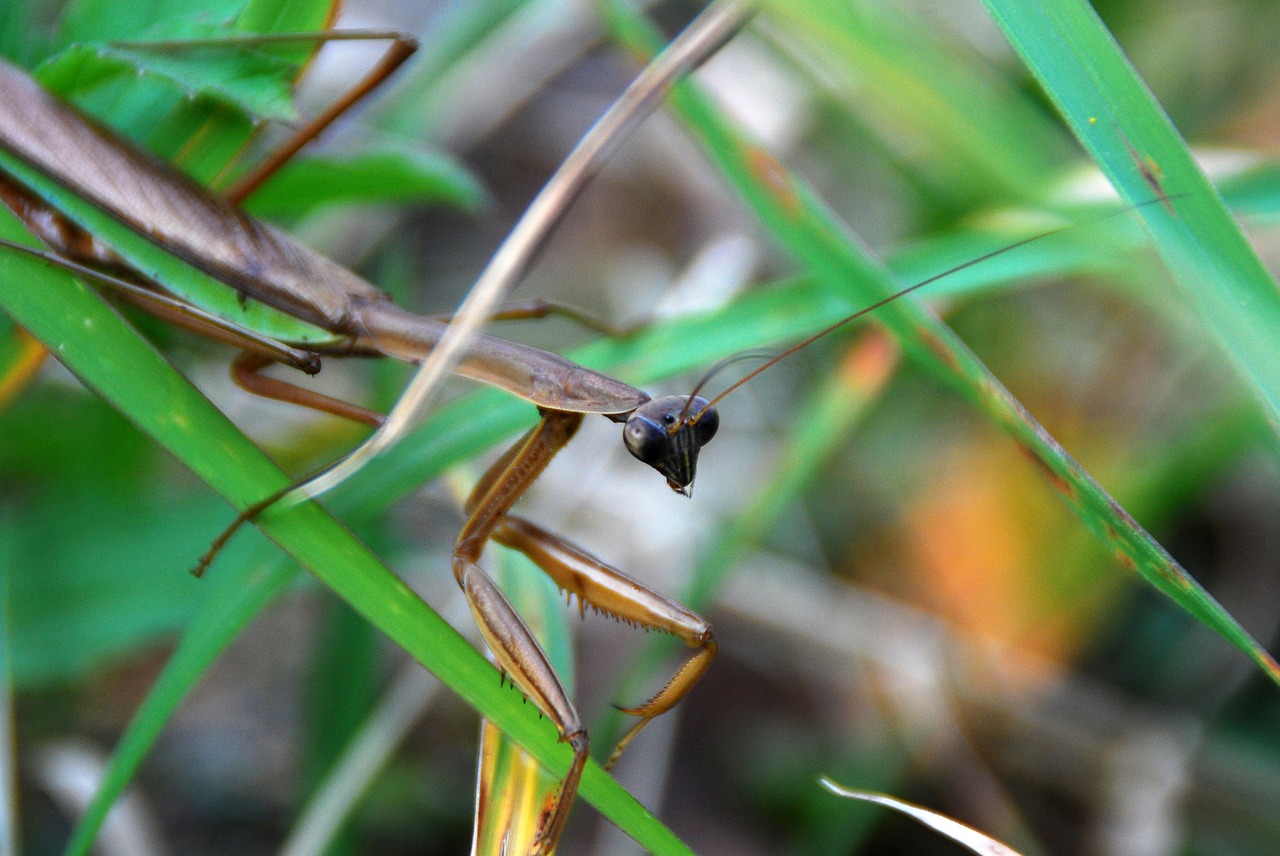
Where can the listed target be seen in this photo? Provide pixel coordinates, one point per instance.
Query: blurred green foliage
(923, 131)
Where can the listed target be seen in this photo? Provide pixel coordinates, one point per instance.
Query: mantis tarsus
(266, 265)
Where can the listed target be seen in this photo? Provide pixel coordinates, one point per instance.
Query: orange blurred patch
(771, 174)
(984, 544)
(30, 356)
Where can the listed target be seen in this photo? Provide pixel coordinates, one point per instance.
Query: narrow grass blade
(243, 590)
(8, 743)
(1115, 117)
(410, 693)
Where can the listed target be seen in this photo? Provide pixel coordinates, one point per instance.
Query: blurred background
(901, 601)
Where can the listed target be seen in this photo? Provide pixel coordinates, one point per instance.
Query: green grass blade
(370, 177)
(1115, 117)
(802, 223)
(111, 359)
(243, 590)
(8, 743)
(174, 274)
(909, 83)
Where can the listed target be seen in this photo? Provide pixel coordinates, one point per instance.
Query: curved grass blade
(800, 222)
(410, 693)
(978, 842)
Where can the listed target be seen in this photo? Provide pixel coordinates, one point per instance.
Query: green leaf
(188, 98)
(367, 177)
(288, 16)
(251, 81)
(95, 21)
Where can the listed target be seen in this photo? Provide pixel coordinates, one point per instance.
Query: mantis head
(667, 434)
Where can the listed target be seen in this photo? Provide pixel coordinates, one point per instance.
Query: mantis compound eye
(667, 434)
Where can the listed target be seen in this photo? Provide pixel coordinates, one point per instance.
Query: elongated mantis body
(266, 265)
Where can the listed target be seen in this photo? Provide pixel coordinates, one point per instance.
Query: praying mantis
(666, 433)
(375, 326)
(264, 265)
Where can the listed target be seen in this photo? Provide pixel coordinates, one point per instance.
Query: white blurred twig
(700, 40)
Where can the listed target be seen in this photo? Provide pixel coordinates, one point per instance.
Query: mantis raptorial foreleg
(573, 570)
(518, 654)
(612, 592)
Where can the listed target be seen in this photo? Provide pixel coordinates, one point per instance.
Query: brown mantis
(266, 265)
(319, 292)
